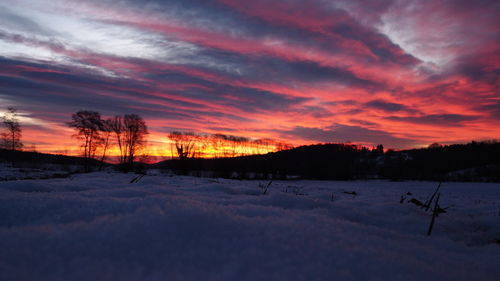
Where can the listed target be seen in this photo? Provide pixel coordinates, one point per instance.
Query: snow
(34, 171)
(99, 226)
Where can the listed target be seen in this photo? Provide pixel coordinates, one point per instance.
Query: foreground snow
(101, 227)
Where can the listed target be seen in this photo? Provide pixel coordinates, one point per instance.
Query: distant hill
(16, 156)
(476, 161)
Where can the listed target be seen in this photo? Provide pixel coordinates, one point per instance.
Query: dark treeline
(476, 161)
(33, 159)
(229, 156)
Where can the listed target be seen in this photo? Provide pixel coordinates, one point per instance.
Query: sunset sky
(402, 73)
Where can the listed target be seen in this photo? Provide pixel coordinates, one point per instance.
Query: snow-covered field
(34, 171)
(100, 226)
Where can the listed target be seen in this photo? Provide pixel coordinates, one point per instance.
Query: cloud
(260, 67)
(492, 108)
(389, 106)
(345, 133)
(437, 119)
(13, 21)
(71, 88)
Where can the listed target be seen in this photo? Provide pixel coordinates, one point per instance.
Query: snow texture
(99, 226)
(22, 171)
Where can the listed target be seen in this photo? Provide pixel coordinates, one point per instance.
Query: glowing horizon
(403, 74)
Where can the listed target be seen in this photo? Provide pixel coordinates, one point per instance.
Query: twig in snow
(428, 203)
(353, 193)
(137, 179)
(435, 213)
(264, 188)
(403, 197)
(416, 202)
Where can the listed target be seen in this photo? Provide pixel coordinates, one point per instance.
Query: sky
(403, 73)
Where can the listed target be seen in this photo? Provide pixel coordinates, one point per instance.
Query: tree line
(185, 145)
(475, 161)
(127, 134)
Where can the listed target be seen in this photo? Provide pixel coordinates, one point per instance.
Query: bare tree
(118, 128)
(12, 138)
(217, 145)
(191, 145)
(280, 146)
(88, 125)
(184, 144)
(134, 137)
(106, 130)
(238, 143)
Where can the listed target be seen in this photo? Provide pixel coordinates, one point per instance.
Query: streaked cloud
(388, 71)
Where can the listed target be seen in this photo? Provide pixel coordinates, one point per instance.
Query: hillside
(476, 161)
(15, 165)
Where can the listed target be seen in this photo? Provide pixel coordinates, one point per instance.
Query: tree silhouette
(134, 136)
(12, 138)
(118, 128)
(184, 144)
(106, 130)
(88, 125)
